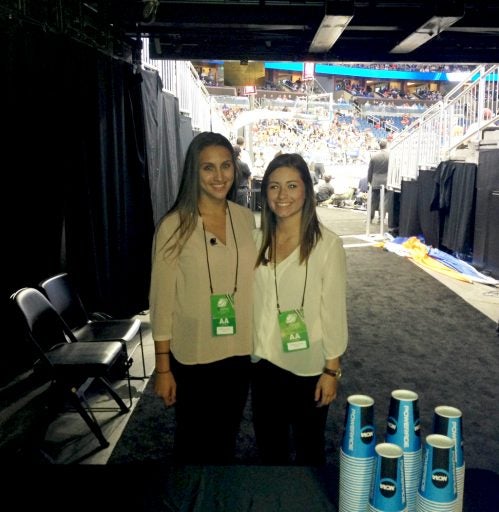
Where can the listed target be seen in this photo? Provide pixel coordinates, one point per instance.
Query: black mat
(407, 330)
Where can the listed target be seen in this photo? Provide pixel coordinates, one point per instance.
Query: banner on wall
(308, 71)
(248, 90)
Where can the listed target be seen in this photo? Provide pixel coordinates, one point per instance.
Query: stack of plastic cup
(388, 486)
(357, 454)
(437, 491)
(448, 421)
(403, 429)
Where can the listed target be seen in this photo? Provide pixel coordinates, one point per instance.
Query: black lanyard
(275, 278)
(206, 251)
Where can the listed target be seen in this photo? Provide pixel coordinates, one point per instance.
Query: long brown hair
(187, 200)
(310, 231)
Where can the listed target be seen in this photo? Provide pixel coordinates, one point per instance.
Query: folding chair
(72, 366)
(96, 326)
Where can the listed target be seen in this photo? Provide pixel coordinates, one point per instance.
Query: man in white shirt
(244, 156)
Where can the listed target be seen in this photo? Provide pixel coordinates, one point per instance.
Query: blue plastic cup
(388, 486)
(359, 438)
(403, 423)
(438, 479)
(448, 421)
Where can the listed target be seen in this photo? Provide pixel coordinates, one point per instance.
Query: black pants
(285, 416)
(375, 202)
(210, 403)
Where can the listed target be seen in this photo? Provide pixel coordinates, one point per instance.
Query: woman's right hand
(166, 387)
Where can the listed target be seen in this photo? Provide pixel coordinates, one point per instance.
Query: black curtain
(108, 209)
(33, 174)
(186, 134)
(165, 159)
(409, 224)
(429, 219)
(416, 217)
(455, 199)
(440, 206)
(486, 235)
(76, 195)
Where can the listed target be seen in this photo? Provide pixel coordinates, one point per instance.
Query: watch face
(333, 373)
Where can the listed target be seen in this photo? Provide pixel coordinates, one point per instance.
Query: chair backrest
(44, 326)
(63, 295)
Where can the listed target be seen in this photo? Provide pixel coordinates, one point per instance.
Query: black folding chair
(96, 326)
(71, 365)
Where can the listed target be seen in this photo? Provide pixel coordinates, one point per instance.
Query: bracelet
(161, 353)
(163, 371)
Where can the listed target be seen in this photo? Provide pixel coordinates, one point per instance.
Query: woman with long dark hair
(200, 304)
(300, 320)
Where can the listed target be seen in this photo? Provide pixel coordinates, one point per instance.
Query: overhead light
(149, 10)
(338, 16)
(433, 27)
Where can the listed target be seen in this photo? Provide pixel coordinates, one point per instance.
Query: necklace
(206, 251)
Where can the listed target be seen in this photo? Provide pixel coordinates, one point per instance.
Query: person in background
(363, 187)
(377, 174)
(200, 304)
(473, 127)
(319, 170)
(299, 321)
(245, 156)
(361, 193)
(325, 191)
(243, 179)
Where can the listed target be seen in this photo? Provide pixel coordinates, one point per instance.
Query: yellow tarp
(418, 252)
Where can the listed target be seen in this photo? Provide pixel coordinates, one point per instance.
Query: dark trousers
(375, 200)
(210, 402)
(285, 416)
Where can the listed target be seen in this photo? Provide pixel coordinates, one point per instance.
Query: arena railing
(459, 118)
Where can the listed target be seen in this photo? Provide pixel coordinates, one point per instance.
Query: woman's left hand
(326, 390)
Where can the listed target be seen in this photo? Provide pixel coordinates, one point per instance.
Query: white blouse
(324, 306)
(179, 297)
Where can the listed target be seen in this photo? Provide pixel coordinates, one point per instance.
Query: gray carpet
(408, 331)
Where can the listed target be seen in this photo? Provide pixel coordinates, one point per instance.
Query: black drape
(108, 211)
(393, 208)
(76, 192)
(409, 224)
(429, 219)
(186, 134)
(165, 158)
(455, 197)
(416, 217)
(486, 235)
(440, 206)
(33, 174)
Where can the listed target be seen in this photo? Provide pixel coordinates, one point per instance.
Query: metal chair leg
(89, 419)
(144, 374)
(123, 407)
